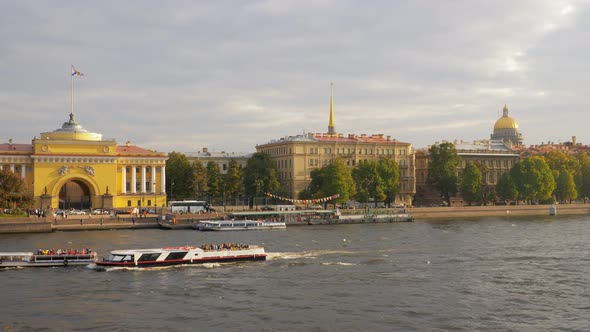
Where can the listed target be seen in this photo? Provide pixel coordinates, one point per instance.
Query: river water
(489, 274)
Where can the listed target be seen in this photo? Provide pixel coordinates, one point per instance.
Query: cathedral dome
(505, 122)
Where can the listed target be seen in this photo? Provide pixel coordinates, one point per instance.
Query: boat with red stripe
(167, 256)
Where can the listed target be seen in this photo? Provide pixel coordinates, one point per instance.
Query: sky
(230, 75)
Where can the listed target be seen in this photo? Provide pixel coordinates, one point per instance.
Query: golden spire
(331, 129)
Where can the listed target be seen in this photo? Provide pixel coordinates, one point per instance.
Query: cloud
(233, 74)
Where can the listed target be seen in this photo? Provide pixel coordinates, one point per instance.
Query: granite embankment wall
(26, 226)
(38, 225)
(496, 211)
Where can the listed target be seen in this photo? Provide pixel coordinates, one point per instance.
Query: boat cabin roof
(279, 213)
(152, 251)
(16, 253)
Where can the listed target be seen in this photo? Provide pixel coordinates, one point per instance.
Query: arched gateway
(75, 194)
(71, 167)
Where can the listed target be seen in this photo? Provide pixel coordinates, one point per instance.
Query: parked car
(76, 212)
(100, 211)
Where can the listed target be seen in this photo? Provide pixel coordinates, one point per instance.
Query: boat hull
(243, 225)
(220, 259)
(50, 261)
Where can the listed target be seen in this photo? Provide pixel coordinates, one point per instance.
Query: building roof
(133, 150)
(333, 138)
(11, 147)
(222, 154)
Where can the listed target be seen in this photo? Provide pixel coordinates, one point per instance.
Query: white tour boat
(209, 253)
(238, 225)
(29, 259)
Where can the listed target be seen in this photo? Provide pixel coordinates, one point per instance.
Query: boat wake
(157, 268)
(339, 263)
(313, 254)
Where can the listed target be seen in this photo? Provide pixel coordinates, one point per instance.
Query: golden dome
(505, 122)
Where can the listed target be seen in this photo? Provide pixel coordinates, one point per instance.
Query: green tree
(260, 176)
(388, 170)
(442, 169)
(471, 184)
(557, 160)
(335, 178)
(233, 179)
(582, 177)
(506, 189)
(214, 181)
(368, 182)
(565, 186)
(314, 188)
(533, 179)
(12, 192)
(200, 180)
(563, 166)
(179, 177)
(338, 180)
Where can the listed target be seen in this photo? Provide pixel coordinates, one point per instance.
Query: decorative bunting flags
(304, 201)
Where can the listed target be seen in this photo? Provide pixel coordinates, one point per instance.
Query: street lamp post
(154, 191)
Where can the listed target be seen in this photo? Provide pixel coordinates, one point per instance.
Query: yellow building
(296, 156)
(71, 167)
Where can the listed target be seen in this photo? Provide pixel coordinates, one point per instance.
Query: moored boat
(29, 259)
(238, 225)
(210, 253)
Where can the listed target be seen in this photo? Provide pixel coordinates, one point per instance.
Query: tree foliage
(200, 180)
(565, 186)
(388, 170)
(442, 169)
(260, 175)
(369, 184)
(506, 189)
(582, 176)
(12, 192)
(471, 184)
(335, 178)
(533, 179)
(214, 181)
(233, 179)
(180, 177)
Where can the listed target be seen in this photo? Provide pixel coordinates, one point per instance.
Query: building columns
(133, 179)
(153, 183)
(163, 180)
(143, 178)
(124, 179)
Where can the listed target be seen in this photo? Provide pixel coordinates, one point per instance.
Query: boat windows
(175, 256)
(121, 258)
(148, 257)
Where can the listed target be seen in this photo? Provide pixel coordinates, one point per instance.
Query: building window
(129, 203)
